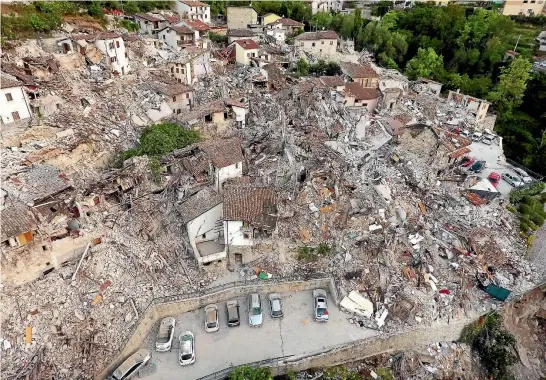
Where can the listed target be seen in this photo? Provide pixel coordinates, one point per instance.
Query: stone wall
(175, 305)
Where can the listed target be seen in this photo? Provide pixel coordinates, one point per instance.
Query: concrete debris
(377, 197)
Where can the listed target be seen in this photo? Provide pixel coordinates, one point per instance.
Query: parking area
(294, 334)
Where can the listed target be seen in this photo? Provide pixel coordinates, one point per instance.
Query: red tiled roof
(249, 203)
(322, 35)
(106, 35)
(172, 19)
(148, 17)
(181, 29)
(240, 33)
(196, 25)
(223, 152)
(7, 82)
(459, 152)
(86, 37)
(361, 93)
(356, 70)
(332, 81)
(194, 4)
(247, 44)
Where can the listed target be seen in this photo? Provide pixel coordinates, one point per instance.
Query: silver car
(187, 348)
(165, 335)
(320, 304)
(130, 367)
(255, 315)
(512, 179)
(211, 318)
(523, 175)
(275, 305)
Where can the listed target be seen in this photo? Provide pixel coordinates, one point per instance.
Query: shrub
(250, 373)
(218, 38)
(307, 254)
(537, 219)
(531, 240)
(517, 196)
(323, 249)
(511, 209)
(129, 25)
(524, 209)
(494, 346)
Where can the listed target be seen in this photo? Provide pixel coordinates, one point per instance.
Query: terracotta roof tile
(182, 29)
(253, 204)
(361, 93)
(332, 81)
(148, 17)
(9, 82)
(289, 22)
(247, 44)
(356, 70)
(196, 25)
(240, 33)
(223, 152)
(195, 4)
(322, 35)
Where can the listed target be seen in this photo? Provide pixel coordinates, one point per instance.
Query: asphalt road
(295, 334)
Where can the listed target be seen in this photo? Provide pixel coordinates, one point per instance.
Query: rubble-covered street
(378, 200)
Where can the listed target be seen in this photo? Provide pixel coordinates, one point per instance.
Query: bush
(524, 209)
(323, 249)
(129, 25)
(250, 373)
(494, 346)
(160, 139)
(307, 254)
(511, 209)
(537, 219)
(531, 240)
(536, 188)
(218, 38)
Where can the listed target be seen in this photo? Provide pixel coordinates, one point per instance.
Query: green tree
(250, 373)
(509, 91)
(425, 64)
(303, 67)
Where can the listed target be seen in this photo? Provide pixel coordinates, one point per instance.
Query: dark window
(313, 44)
(246, 235)
(331, 42)
(178, 111)
(9, 97)
(111, 45)
(15, 115)
(204, 236)
(113, 59)
(187, 95)
(174, 98)
(172, 69)
(117, 43)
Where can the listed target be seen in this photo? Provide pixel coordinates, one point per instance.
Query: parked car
(512, 179)
(494, 178)
(275, 305)
(476, 136)
(477, 167)
(320, 303)
(211, 318)
(233, 313)
(187, 348)
(255, 315)
(132, 365)
(165, 335)
(488, 139)
(467, 161)
(523, 175)
(465, 133)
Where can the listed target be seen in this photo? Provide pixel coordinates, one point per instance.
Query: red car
(467, 161)
(494, 178)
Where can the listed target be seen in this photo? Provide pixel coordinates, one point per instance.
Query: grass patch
(309, 254)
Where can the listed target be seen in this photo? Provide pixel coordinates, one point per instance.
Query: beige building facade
(523, 7)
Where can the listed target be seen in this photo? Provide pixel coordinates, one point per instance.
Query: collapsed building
(283, 163)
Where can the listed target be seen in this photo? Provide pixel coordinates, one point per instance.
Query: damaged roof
(201, 111)
(361, 93)
(169, 88)
(356, 70)
(198, 204)
(16, 219)
(223, 153)
(288, 22)
(181, 29)
(240, 33)
(40, 182)
(322, 35)
(332, 81)
(148, 17)
(196, 25)
(7, 81)
(253, 204)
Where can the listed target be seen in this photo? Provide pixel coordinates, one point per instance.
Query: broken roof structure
(16, 219)
(356, 70)
(39, 182)
(314, 36)
(253, 204)
(360, 93)
(223, 152)
(198, 204)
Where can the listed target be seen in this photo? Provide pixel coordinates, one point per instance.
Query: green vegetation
(494, 346)
(160, 139)
(309, 254)
(530, 208)
(129, 25)
(296, 10)
(128, 7)
(218, 38)
(340, 373)
(303, 68)
(250, 373)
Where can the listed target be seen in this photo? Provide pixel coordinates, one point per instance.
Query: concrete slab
(295, 334)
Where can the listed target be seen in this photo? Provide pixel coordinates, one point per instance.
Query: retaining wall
(179, 304)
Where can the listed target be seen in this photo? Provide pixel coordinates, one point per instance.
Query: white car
(465, 133)
(130, 367)
(488, 139)
(187, 348)
(165, 335)
(523, 175)
(320, 303)
(211, 318)
(512, 179)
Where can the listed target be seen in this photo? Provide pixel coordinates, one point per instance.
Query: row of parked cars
(186, 340)
(516, 179)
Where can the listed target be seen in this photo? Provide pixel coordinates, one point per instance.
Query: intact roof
(356, 70)
(223, 152)
(148, 17)
(7, 81)
(361, 93)
(196, 25)
(332, 81)
(240, 33)
(181, 29)
(288, 22)
(247, 44)
(253, 204)
(322, 35)
(194, 4)
(172, 19)
(16, 219)
(198, 204)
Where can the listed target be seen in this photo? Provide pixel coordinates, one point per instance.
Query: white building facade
(113, 47)
(14, 102)
(194, 10)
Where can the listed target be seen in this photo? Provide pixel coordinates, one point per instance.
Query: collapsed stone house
(188, 70)
(220, 114)
(178, 96)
